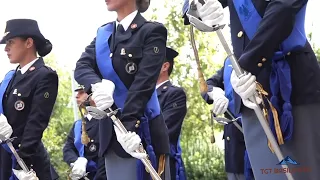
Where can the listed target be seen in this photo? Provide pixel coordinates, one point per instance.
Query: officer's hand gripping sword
(14, 152)
(98, 114)
(239, 72)
(70, 170)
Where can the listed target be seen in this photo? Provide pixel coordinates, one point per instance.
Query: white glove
(246, 88)
(220, 102)
(103, 94)
(129, 142)
(5, 128)
(21, 175)
(79, 168)
(211, 12)
(252, 105)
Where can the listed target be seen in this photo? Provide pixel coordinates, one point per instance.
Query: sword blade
(19, 160)
(145, 161)
(239, 72)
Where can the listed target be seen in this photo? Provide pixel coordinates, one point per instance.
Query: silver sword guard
(97, 113)
(225, 121)
(197, 23)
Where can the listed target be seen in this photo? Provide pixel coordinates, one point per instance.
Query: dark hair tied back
(44, 49)
(143, 5)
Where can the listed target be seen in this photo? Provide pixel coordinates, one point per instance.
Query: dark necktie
(17, 77)
(113, 40)
(118, 34)
(18, 74)
(120, 29)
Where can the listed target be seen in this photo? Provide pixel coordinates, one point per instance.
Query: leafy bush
(203, 160)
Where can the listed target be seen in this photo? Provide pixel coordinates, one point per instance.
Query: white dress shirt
(157, 86)
(126, 22)
(25, 68)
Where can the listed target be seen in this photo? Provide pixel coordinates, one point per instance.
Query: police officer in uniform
(270, 43)
(120, 68)
(27, 97)
(173, 103)
(221, 96)
(84, 159)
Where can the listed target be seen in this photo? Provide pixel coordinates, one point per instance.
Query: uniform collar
(158, 85)
(163, 87)
(27, 66)
(125, 22)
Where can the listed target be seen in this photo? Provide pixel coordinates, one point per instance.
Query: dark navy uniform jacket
(173, 101)
(234, 140)
(37, 89)
(71, 154)
(255, 55)
(140, 40)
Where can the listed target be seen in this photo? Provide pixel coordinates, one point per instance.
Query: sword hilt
(111, 112)
(5, 141)
(20, 161)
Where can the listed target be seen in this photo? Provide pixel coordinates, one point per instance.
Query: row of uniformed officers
(28, 95)
(127, 66)
(138, 61)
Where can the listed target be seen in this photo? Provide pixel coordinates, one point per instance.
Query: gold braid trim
(262, 95)
(161, 164)
(84, 135)
(276, 124)
(162, 161)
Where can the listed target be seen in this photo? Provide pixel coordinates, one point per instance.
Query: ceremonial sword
(98, 114)
(14, 152)
(194, 21)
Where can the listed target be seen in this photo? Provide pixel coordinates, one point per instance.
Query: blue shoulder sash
(107, 71)
(3, 87)
(280, 77)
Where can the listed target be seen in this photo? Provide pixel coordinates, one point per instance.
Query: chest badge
(19, 105)
(131, 68)
(93, 148)
(15, 91)
(123, 52)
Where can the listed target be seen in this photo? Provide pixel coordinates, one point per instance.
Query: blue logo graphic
(288, 160)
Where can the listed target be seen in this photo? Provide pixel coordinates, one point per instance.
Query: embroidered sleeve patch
(46, 95)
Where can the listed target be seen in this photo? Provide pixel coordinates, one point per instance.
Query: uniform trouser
(304, 147)
(234, 176)
(118, 168)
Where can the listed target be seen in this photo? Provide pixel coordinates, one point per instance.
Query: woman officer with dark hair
(121, 67)
(27, 98)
